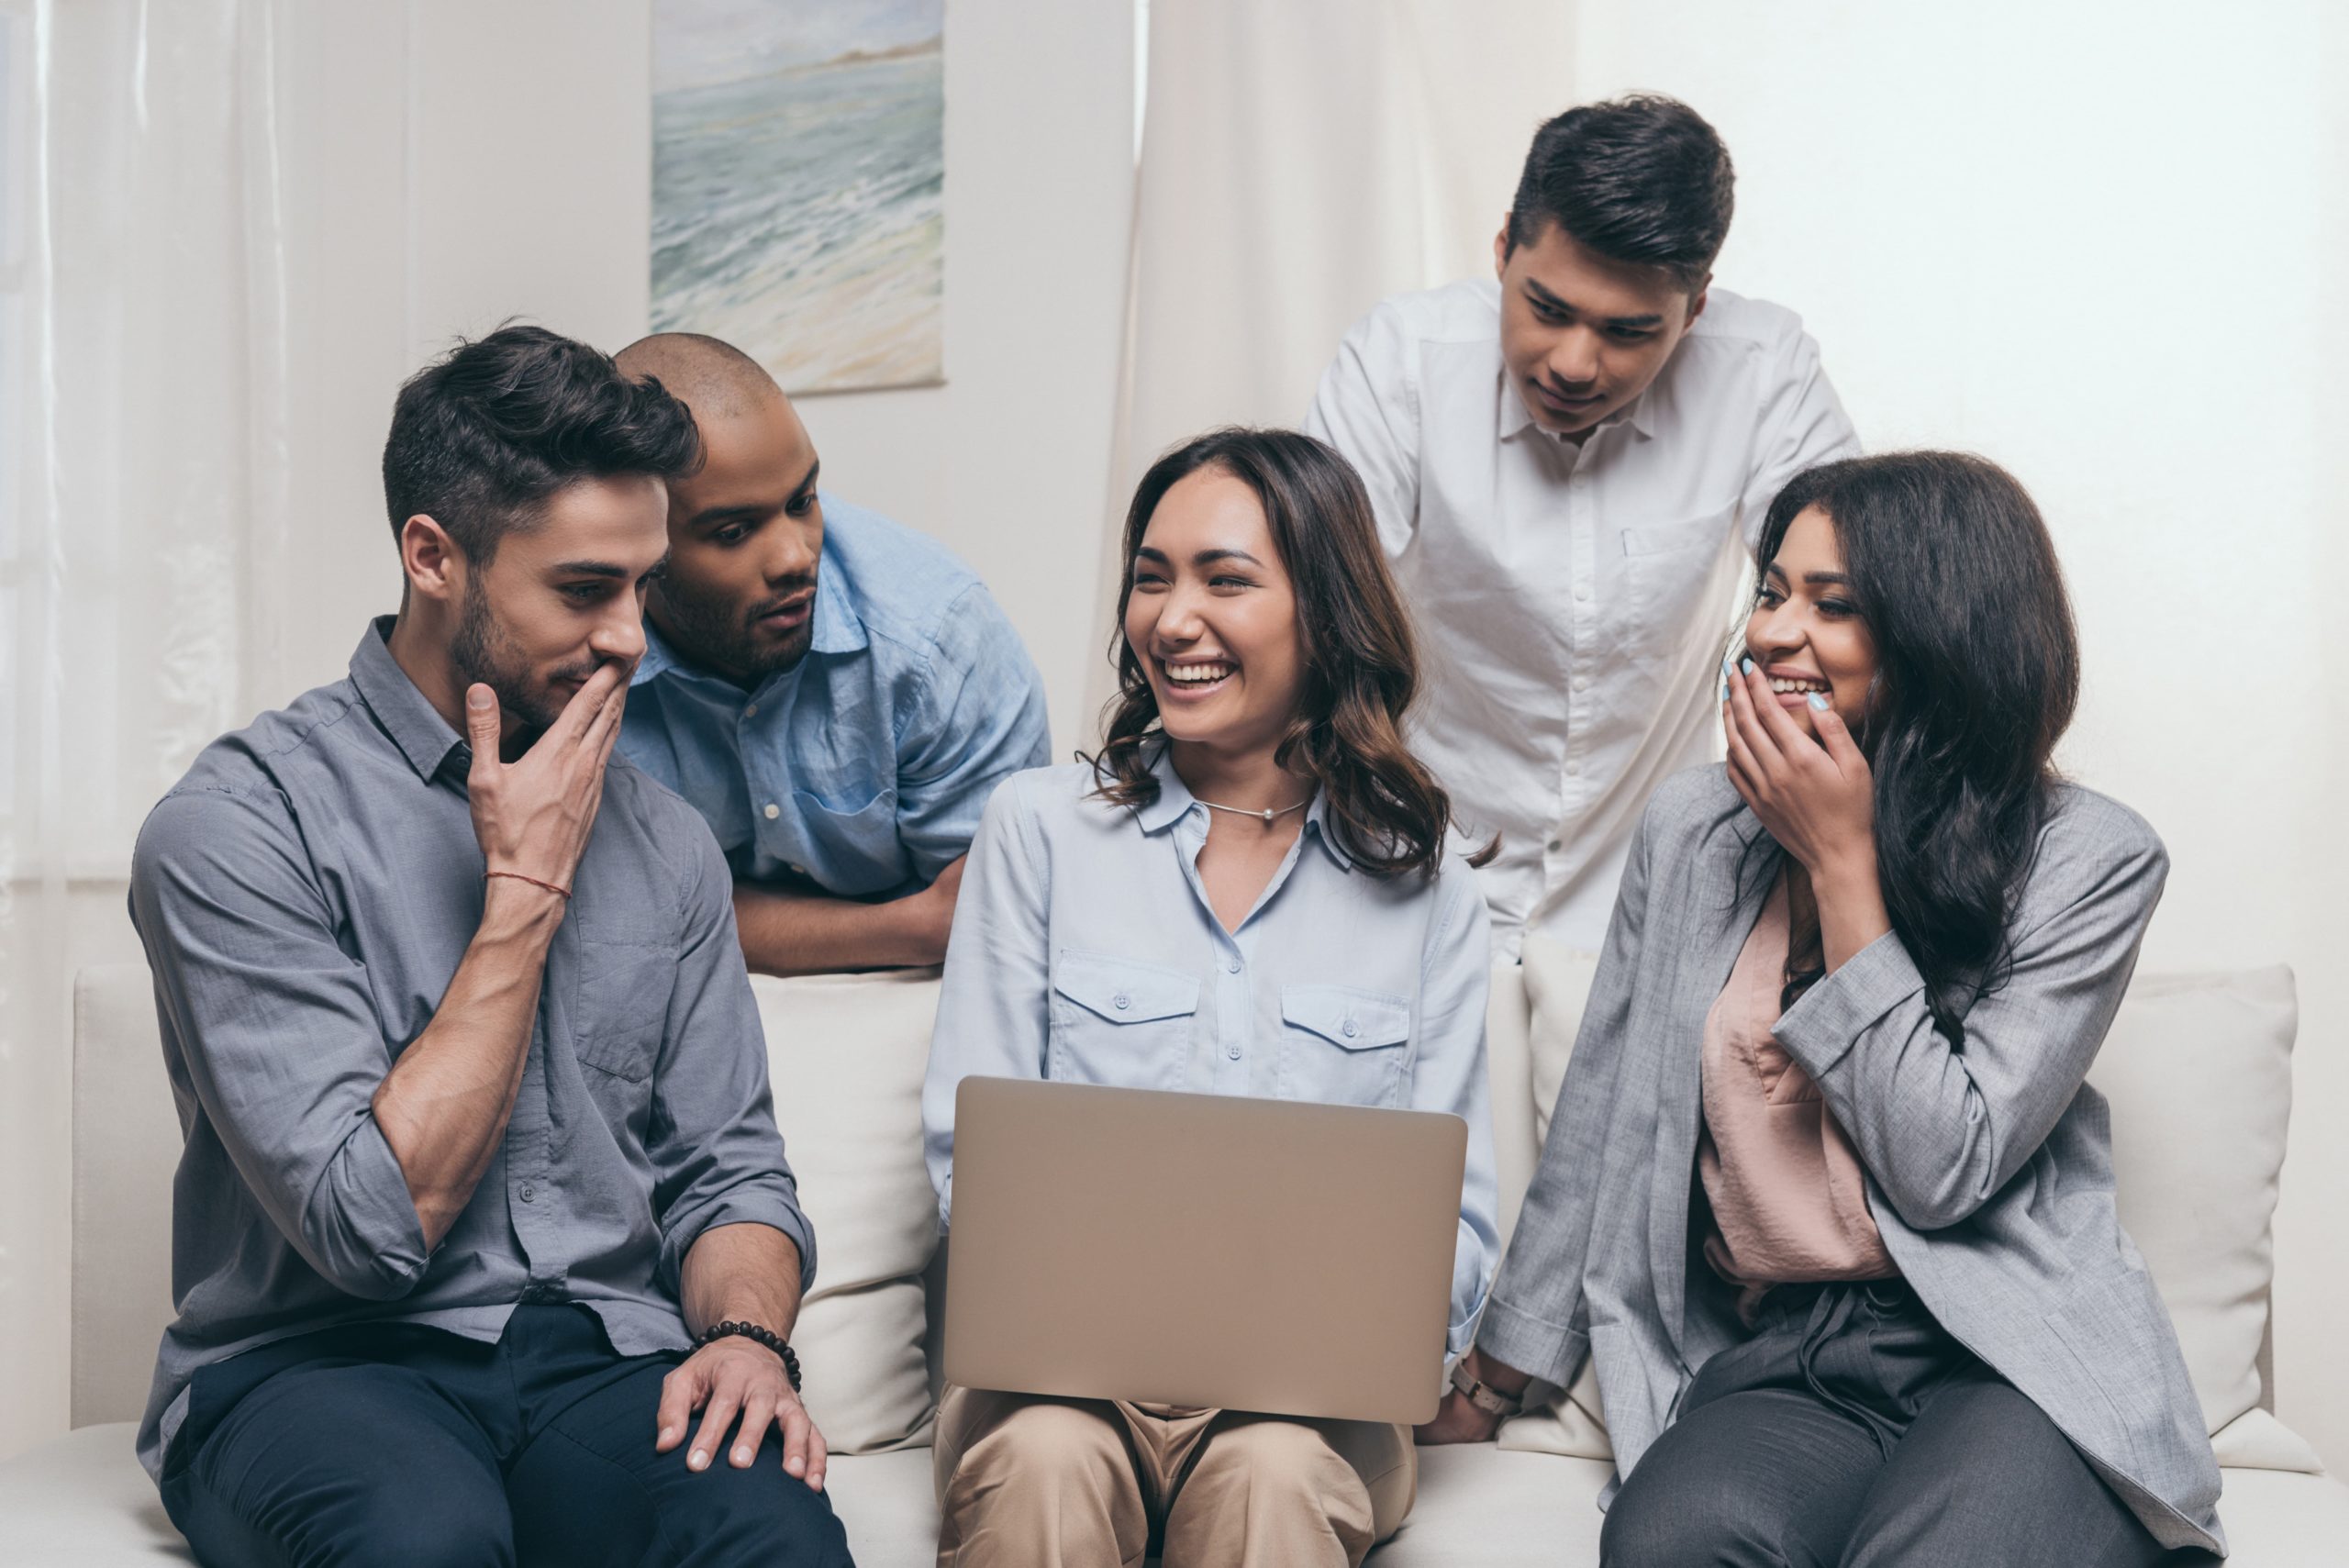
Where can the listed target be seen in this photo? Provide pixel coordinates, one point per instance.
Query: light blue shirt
(1085, 951)
(865, 767)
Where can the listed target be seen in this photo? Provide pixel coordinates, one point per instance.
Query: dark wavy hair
(1642, 179)
(483, 436)
(1360, 670)
(1977, 675)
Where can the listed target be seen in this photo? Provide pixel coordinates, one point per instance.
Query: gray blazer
(1990, 1169)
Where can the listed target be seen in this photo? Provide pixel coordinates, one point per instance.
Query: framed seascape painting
(798, 184)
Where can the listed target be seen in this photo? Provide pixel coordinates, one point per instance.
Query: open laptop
(1201, 1250)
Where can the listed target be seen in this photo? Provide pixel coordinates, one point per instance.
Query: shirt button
(1121, 1001)
(751, 711)
(1574, 770)
(528, 1192)
(1556, 844)
(1233, 1051)
(773, 810)
(1582, 682)
(1231, 966)
(1348, 1029)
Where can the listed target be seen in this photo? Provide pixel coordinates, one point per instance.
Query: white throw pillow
(2197, 1069)
(847, 1053)
(2198, 1072)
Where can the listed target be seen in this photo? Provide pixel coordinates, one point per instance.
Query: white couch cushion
(846, 1053)
(126, 1146)
(83, 1501)
(2198, 1072)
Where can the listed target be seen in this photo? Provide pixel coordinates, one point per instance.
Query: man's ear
(1696, 301)
(432, 563)
(1501, 248)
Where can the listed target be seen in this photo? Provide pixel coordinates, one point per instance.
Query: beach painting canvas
(798, 184)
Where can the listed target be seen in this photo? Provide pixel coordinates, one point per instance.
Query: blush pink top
(1789, 1204)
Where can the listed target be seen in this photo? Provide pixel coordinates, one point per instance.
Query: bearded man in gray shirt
(483, 1202)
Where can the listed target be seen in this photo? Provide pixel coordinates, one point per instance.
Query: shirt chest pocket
(852, 839)
(1120, 1021)
(1343, 1046)
(620, 1013)
(1671, 568)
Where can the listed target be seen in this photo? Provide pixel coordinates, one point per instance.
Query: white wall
(448, 165)
(2097, 244)
(461, 163)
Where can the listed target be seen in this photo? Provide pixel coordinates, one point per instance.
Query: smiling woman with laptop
(1245, 894)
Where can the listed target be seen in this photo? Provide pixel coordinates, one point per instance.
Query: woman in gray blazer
(1827, 1199)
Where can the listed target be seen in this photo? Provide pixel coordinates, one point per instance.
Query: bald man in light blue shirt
(834, 693)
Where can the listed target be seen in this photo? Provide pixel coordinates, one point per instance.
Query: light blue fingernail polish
(1746, 666)
(1724, 688)
(1818, 702)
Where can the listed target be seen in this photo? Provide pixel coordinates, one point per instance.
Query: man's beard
(483, 651)
(707, 631)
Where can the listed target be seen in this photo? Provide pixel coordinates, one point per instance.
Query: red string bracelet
(533, 881)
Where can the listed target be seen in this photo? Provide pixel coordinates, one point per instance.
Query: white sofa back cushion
(847, 1053)
(2198, 1071)
(126, 1146)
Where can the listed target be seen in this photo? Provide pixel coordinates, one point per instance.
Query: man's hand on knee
(735, 1377)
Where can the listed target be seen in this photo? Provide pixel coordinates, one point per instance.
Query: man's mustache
(797, 587)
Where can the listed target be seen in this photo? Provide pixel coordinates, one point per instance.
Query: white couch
(2197, 1069)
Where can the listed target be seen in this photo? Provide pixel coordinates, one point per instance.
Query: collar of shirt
(415, 726)
(839, 629)
(1514, 419)
(1175, 802)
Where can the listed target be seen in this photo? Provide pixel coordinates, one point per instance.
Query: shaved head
(746, 528)
(715, 379)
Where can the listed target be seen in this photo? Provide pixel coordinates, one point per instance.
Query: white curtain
(142, 524)
(1300, 162)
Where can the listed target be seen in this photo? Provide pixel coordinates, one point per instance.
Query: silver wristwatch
(1483, 1394)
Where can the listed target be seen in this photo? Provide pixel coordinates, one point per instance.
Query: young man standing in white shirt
(1567, 464)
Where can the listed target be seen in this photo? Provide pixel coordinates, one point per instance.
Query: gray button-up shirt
(306, 894)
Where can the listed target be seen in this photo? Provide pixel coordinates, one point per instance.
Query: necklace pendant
(1268, 816)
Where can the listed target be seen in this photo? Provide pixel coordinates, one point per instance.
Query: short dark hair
(1642, 179)
(483, 436)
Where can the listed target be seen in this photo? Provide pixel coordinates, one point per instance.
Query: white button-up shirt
(1085, 950)
(1572, 603)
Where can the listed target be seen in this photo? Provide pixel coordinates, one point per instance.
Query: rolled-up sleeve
(717, 1156)
(1448, 1074)
(276, 1030)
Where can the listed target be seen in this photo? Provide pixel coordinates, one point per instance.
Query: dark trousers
(396, 1444)
(1850, 1430)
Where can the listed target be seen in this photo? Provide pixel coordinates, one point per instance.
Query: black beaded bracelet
(765, 1335)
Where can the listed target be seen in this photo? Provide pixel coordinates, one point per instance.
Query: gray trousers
(1851, 1431)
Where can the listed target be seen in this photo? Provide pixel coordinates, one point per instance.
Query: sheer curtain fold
(1298, 163)
(142, 526)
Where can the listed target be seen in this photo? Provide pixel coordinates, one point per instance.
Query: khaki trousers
(1035, 1483)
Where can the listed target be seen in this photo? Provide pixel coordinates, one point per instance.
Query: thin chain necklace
(1265, 815)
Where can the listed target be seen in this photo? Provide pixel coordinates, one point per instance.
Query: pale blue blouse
(1085, 951)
